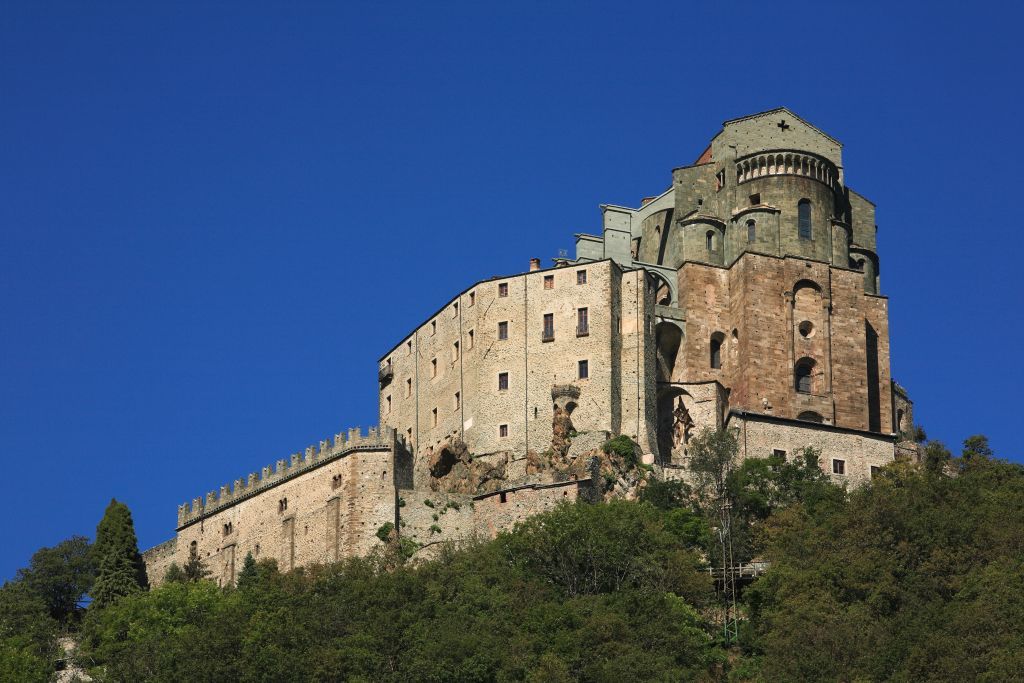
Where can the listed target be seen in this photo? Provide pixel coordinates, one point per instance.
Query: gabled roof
(779, 110)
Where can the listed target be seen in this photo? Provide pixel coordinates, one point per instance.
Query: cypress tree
(121, 569)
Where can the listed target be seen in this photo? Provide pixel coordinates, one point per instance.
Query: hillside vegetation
(917, 576)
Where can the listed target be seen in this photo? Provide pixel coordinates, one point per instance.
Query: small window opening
(433, 417)
(408, 347)
(582, 322)
(502, 431)
(709, 239)
(751, 231)
(716, 351)
(838, 466)
(455, 351)
(388, 401)
(408, 387)
(779, 453)
(502, 381)
(549, 326)
(502, 289)
(433, 367)
(472, 298)
(503, 497)
(581, 277)
(433, 327)
(470, 345)
(549, 282)
(875, 471)
(755, 199)
(458, 401)
(583, 369)
(804, 377)
(503, 330)
(282, 505)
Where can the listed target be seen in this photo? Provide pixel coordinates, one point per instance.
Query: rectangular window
(582, 322)
(503, 330)
(433, 367)
(549, 282)
(455, 351)
(388, 400)
(549, 326)
(455, 309)
(408, 387)
(779, 453)
(470, 344)
(502, 289)
(502, 381)
(755, 199)
(433, 417)
(720, 179)
(581, 277)
(408, 347)
(457, 400)
(875, 469)
(472, 298)
(433, 327)
(502, 431)
(584, 369)
(838, 466)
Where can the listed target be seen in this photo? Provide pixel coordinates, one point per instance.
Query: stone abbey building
(745, 295)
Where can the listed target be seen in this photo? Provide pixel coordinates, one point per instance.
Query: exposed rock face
(453, 469)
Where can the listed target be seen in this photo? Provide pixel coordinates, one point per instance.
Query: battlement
(298, 463)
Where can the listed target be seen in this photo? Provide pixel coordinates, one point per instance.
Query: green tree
(249, 574)
(195, 569)
(121, 570)
(27, 634)
(61, 576)
(174, 574)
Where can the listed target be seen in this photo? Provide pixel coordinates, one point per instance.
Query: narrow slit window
(803, 210)
(583, 369)
(502, 381)
(751, 231)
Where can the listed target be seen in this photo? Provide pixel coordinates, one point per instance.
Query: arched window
(751, 231)
(716, 350)
(804, 218)
(810, 416)
(804, 376)
(710, 240)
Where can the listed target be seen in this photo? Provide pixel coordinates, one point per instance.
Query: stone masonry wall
(759, 436)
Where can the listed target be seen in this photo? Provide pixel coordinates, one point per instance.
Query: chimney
(534, 264)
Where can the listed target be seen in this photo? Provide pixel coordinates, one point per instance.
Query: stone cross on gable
(783, 126)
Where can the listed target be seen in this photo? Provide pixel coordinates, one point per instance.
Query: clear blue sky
(215, 217)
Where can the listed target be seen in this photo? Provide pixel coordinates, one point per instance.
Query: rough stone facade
(744, 296)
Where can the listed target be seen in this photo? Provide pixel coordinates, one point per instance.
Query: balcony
(385, 374)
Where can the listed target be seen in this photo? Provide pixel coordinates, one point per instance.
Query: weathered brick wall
(764, 300)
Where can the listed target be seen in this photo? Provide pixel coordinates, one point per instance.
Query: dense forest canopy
(917, 576)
